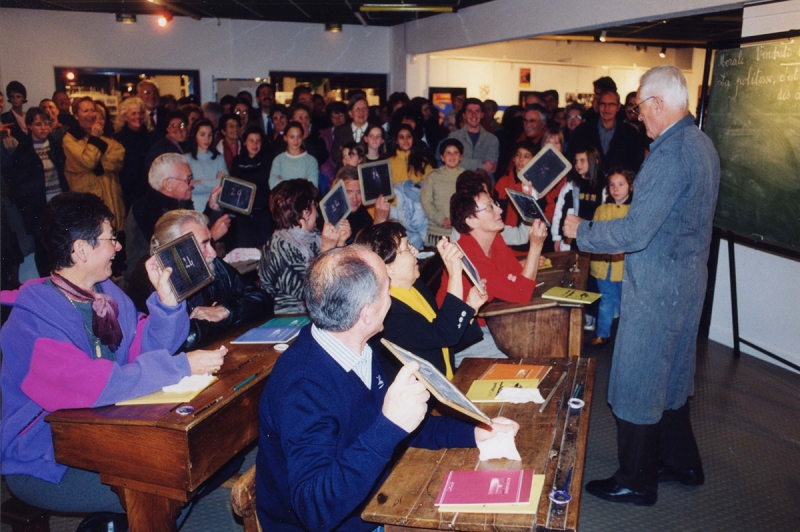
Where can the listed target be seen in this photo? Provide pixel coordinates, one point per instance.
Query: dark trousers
(640, 449)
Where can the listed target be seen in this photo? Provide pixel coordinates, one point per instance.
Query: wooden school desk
(154, 458)
(551, 442)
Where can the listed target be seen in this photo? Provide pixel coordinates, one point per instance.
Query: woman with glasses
(415, 322)
(75, 340)
(294, 243)
(173, 142)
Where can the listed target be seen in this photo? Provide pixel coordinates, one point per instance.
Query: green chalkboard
(754, 121)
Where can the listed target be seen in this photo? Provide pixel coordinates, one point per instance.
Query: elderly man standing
(147, 91)
(481, 148)
(666, 237)
(329, 422)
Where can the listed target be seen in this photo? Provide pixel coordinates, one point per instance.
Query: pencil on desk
(553, 392)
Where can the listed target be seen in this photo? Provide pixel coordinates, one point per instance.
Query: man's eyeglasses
(489, 206)
(182, 125)
(187, 181)
(637, 108)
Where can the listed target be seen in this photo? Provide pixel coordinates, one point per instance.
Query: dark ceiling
(685, 31)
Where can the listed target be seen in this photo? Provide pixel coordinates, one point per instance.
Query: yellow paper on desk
(485, 391)
(531, 507)
(547, 264)
(164, 398)
(571, 295)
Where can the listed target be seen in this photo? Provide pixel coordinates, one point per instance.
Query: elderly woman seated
(415, 322)
(294, 243)
(74, 340)
(479, 222)
(227, 301)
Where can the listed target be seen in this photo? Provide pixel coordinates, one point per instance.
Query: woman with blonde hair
(134, 130)
(93, 161)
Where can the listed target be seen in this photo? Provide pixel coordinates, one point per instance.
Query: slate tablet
(471, 270)
(527, 206)
(436, 383)
(237, 195)
(335, 206)
(545, 170)
(190, 273)
(376, 180)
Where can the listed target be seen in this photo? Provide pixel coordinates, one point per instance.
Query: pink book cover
(510, 486)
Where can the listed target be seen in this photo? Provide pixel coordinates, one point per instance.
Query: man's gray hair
(147, 81)
(339, 284)
(170, 226)
(162, 169)
(669, 84)
(541, 112)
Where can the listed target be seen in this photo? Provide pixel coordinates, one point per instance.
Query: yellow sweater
(399, 166)
(600, 262)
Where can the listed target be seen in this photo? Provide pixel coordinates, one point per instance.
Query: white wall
(492, 70)
(768, 286)
(34, 41)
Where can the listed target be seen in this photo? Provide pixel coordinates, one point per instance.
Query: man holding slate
(666, 236)
(329, 422)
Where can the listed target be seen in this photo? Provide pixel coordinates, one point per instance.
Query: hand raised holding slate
(237, 195)
(376, 180)
(190, 273)
(335, 206)
(545, 170)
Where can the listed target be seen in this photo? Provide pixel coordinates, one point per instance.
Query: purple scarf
(105, 324)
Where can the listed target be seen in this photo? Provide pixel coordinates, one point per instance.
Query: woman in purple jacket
(74, 340)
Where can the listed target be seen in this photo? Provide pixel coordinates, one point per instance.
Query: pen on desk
(248, 379)
(578, 390)
(567, 481)
(552, 393)
(209, 405)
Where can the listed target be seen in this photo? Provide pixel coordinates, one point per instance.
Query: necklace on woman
(97, 349)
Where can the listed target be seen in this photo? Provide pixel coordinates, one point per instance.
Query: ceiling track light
(333, 27)
(603, 36)
(165, 19)
(663, 53)
(407, 8)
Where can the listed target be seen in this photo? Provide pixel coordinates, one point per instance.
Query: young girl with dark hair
(207, 165)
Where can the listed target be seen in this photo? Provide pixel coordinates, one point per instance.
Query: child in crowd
(437, 189)
(523, 153)
(207, 164)
(352, 154)
(607, 269)
(581, 195)
(375, 142)
(295, 162)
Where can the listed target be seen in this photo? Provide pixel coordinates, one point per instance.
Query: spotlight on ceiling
(663, 53)
(333, 27)
(603, 36)
(70, 76)
(165, 19)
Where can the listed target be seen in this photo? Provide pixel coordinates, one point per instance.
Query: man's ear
(366, 315)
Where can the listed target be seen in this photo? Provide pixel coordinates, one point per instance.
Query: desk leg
(148, 512)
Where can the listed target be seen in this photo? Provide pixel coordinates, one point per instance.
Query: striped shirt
(361, 364)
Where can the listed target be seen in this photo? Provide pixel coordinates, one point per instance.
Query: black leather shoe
(687, 477)
(608, 489)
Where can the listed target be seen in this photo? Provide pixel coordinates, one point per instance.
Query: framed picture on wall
(443, 97)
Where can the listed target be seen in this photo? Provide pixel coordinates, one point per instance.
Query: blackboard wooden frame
(732, 238)
(229, 181)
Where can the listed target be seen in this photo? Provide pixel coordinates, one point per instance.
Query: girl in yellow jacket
(93, 161)
(607, 269)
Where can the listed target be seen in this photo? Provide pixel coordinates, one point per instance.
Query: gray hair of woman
(128, 105)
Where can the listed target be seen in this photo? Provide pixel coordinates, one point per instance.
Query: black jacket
(625, 150)
(133, 176)
(410, 330)
(244, 302)
(16, 131)
(254, 230)
(26, 180)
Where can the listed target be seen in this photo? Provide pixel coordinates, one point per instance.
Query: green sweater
(439, 186)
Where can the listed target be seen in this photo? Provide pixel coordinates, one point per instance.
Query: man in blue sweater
(329, 423)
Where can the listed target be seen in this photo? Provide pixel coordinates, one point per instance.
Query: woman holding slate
(415, 322)
(253, 165)
(75, 340)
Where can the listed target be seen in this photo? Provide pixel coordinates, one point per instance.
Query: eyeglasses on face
(637, 108)
(182, 125)
(187, 181)
(114, 239)
(489, 206)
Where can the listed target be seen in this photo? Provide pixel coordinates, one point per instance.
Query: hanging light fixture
(663, 53)
(603, 36)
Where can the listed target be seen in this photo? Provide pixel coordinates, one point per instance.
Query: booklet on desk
(485, 388)
(275, 331)
(571, 295)
(530, 507)
(495, 486)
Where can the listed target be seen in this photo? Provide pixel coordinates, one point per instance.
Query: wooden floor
(745, 417)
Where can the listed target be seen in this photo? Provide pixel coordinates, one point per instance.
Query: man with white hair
(666, 237)
(171, 184)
